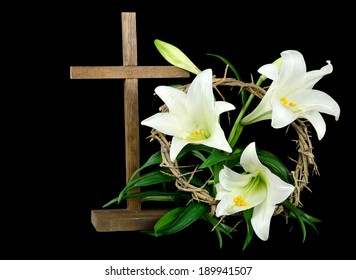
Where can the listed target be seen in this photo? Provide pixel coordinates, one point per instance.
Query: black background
(66, 145)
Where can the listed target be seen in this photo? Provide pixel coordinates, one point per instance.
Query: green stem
(237, 128)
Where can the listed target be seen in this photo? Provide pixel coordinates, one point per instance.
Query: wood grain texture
(110, 220)
(131, 112)
(126, 72)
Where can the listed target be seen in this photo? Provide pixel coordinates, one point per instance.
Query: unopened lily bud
(175, 56)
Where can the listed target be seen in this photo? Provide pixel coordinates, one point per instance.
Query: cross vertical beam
(131, 112)
(132, 218)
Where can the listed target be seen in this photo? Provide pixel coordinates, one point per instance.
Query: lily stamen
(240, 201)
(199, 134)
(285, 101)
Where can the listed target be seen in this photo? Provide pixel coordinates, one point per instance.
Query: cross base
(110, 220)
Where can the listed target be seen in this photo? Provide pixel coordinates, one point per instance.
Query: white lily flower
(193, 117)
(291, 95)
(258, 188)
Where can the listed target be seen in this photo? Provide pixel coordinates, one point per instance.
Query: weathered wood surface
(126, 72)
(110, 220)
(131, 111)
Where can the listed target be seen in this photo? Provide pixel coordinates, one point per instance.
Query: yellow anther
(239, 201)
(285, 101)
(198, 133)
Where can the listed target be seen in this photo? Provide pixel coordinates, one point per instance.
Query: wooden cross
(132, 218)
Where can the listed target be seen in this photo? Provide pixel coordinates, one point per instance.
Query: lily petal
(293, 71)
(270, 71)
(230, 180)
(312, 77)
(317, 121)
(177, 145)
(222, 107)
(262, 112)
(168, 124)
(281, 116)
(261, 220)
(316, 100)
(214, 141)
(279, 190)
(249, 159)
(174, 98)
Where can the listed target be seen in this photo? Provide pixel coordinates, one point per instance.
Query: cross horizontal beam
(126, 72)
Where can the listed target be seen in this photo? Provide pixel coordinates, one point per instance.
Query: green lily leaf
(179, 218)
(158, 195)
(243, 92)
(196, 148)
(248, 215)
(295, 211)
(301, 217)
(149, 179)
(155, 159)
(218, 235)
(156, 177)
(219, 228)
(275, 165)
(218, 156)
(168, 219)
